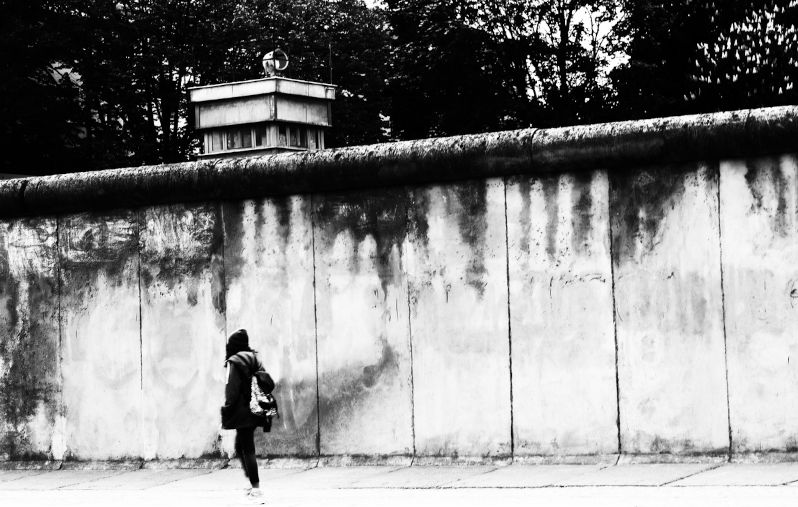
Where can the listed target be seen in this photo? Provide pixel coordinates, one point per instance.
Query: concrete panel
(457, 271)
(58, 479)
(143, 479)
(101, 346)
(182, 330)
(364, 341)
(229, 480)
(422, 477)
(759, 225)
(235, 112)
(636, 475)
(269, 278)
(526, 476)
(329, 477)
(763, 474)
(31, 420)
(290, 109)
(669, 311)
(563, 339)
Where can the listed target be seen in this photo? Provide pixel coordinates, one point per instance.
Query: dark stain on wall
(383, 215)
(234, 228)
(525, 187)
(640, 201)
(191, 246)
(551, 191)
(352, 384)
(233, 213)
(218, 274)
(283, 207)
(348, 386)
(89, 243)
(765, 178)
(290, 435)
(468, 202)
(582, 214)
(8, 289)
(418, 209)
(29, 341)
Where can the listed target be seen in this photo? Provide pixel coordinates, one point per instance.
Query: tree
(103, 83)
(565, 48)
(448, 77)
(39, 102)
(314, 33)
(751, 62)
(662, 38)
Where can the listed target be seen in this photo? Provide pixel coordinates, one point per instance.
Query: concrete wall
(759, 229)
(563, 339)
(669, 310)
(458, 318)
(32, 422)
(563, 316)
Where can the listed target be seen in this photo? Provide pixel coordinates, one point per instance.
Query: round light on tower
(275, 62)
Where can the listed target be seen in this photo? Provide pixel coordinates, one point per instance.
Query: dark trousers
(245, 450)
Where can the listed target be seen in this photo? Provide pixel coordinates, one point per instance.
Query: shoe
(256, 496)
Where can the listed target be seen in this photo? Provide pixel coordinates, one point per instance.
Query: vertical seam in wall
(315, 325)
(723, 316)
(224, 268)
(223, 293)
(509, 320)
(410, 342)
(614, 315)
(59, 298)
(141, 334)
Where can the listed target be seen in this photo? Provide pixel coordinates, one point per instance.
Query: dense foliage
(92, 84)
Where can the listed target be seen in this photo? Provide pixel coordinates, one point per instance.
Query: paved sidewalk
(652, 484)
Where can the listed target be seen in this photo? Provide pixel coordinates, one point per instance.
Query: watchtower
(268, 115)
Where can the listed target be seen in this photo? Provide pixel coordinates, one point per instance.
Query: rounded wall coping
(610, 146)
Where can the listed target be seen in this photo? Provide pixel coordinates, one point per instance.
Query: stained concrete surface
(269, 292)
(759, 222)
(669, 314)
(100, 329)
(458, 320)
(206, 269)
(182, 330)
(365, 391)
(563, 336)
(32, 423)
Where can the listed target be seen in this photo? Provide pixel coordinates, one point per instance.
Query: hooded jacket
(237, 392)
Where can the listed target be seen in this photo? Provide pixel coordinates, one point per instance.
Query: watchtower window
(217, 142)
(246, 137)
(261, 136)
(233, 139)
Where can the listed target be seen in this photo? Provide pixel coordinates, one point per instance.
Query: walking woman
(242, 362)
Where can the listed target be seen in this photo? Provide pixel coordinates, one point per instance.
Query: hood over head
(237, 342)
